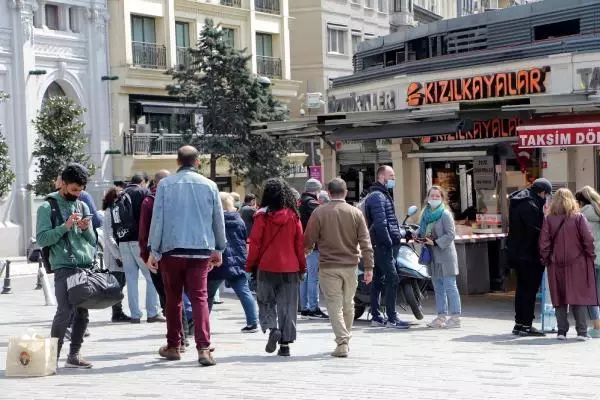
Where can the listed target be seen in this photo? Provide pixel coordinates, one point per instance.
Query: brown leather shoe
(170, 353)
(205, 358)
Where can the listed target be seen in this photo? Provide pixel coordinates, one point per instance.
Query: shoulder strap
(57, 219)
(266, 247)
(553, 239)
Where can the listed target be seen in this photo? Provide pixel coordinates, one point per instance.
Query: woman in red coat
(277, 256)
(567, 249)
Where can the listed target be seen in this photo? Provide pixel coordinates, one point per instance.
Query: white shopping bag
(31, 355)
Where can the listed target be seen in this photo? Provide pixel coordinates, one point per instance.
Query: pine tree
(7, 176)
(218, 80)
(60, 140)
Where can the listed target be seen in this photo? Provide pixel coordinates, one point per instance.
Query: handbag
(93, 290)
(426, 257)
(31, 355)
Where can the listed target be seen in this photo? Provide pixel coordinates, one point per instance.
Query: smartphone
(88, 217)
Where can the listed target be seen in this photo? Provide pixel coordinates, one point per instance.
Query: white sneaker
(561, 336)
(453, 322)
(583, 338)
(438, 323)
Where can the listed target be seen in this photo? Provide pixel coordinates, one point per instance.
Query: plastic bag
(93, 290)
(31, 355)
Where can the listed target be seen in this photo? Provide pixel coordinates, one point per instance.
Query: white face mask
(434, 203)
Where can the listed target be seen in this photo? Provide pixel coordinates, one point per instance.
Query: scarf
(429, 218)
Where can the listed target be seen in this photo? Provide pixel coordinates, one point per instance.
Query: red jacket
(144, 227)
(276, 242)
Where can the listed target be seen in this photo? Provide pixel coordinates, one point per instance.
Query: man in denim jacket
(187, 236)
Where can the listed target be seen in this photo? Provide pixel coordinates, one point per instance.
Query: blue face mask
(390, 184)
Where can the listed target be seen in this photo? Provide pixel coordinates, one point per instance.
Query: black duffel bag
(93, 289)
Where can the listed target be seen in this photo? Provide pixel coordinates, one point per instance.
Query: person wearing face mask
(385, 237)
(526, 216)
(437, 232)
(64, 225)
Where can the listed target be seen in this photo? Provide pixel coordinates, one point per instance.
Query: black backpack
(124, 223)
(57, 219)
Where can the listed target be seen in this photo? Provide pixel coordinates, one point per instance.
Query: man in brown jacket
(338, 229)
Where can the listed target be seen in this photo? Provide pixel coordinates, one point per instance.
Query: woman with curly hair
(276, 256)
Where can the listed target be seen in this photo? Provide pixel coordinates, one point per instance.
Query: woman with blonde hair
(589, 201)
(437, 232)
(567, 250)
(233, 269)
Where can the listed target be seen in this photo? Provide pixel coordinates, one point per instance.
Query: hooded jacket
(276, 242)
(308, 204)
(83, 243)
(594, 219)
(235, 254)
(526, 216)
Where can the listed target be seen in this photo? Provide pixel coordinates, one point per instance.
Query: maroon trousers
(192, 273)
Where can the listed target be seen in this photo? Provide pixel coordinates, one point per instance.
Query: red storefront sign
(559, 135)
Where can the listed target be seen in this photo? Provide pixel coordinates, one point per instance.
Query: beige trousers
(338, 285)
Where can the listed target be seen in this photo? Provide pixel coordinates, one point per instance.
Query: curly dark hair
(75, 173)
(278, 194)
(109, 198)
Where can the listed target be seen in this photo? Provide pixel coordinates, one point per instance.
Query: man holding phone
(63, 227)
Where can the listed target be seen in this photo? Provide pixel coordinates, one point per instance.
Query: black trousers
(65, 313)
(529, 279)
(117, 309)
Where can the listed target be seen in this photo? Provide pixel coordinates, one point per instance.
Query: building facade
(149, 37)
(49, 48)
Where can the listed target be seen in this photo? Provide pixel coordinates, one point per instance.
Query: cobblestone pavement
(479, 361)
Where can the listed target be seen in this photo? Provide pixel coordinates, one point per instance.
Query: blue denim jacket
(188, 216)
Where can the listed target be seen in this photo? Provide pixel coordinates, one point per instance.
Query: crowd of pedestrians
(188, 239)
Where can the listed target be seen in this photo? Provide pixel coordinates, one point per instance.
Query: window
(557, 29)
(51, 16)
(229, 37)
(381, 6)
(142, 29)
(74, 19)
(182, 34)
(356, 39)
(337, 41)
(397, 5)
(264, 45)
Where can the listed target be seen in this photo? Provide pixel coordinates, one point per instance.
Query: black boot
(118, 315)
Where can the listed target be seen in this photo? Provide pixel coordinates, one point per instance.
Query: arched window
(54, 90)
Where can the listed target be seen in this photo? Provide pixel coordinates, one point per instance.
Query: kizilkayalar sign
(479, 87)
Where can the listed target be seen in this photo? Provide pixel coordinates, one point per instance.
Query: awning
(167, 107)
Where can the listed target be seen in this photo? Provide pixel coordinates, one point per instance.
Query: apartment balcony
(184, 58)
(231, 3)
(268, 6)
(151, 143)
(149, 55)
(269, 66)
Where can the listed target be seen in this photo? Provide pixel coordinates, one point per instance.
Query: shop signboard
(382, 100)
(313, 100)
(560, 135)
(484, 173)
(484, 129)
(478, 87)
(315, 172)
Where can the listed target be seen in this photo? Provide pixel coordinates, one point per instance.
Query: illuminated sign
(562, 135)
(502, 84)
(489, 129)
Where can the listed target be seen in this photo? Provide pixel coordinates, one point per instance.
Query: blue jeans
(187, 307)
(446, 292)
(242, 291)
(132, 263)
(595, 310)
(385, 276)
(309, 287)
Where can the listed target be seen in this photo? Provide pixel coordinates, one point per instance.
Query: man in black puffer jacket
(526, 216)
(385, 236)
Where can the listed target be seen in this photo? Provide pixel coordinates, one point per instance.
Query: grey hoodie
(594, 219)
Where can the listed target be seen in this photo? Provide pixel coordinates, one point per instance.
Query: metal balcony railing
(268, 6)
(184, 57)
(151, 143)
(269, 66)
(231, 3)
(149, 55)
